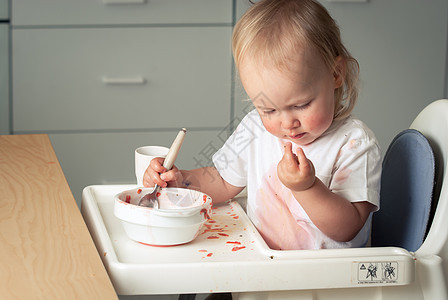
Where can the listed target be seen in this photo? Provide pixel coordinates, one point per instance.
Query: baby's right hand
(296, 171)
(156, 173)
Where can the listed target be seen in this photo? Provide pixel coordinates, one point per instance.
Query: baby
(312, 171)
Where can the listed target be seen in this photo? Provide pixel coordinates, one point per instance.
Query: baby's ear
(340, 68)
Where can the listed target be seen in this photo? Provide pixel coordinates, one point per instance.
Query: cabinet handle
(124, 80)
(124, 1)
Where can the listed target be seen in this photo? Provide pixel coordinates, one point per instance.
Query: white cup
(143, 157)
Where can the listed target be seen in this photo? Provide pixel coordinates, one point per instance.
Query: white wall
(401, 46)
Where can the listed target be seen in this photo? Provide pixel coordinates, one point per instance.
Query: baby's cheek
(318, 122)
(313, 121)
(271, 127)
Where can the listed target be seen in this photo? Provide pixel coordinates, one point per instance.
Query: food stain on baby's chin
(274, 220)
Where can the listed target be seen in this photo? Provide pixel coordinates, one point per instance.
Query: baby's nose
(290, 121)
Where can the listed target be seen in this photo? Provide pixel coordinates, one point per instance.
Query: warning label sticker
(377, 272)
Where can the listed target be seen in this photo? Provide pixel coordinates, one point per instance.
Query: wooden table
(46, 251)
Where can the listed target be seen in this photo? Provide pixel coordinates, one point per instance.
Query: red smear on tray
(236, 242)
(208, 255)
(213, 237)
(204, 211)
(139, 191)
(238, 248)
(128, 198)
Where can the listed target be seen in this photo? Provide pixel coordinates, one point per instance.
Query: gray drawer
(4, 10)
(121, 78)
(94, 12)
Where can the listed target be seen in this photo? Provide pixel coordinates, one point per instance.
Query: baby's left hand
(296, 172)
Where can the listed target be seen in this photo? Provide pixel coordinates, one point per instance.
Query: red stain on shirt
(280, 220)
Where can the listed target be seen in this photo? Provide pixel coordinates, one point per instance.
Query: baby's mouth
(296, 136)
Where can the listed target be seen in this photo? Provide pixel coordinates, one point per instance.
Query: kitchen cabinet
(4, 67)
(105, 77)
(121, 12)
(401, 47)
(121, 78)
(4, 10)
(4, 78)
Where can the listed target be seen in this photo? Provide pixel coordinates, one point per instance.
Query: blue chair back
(407, 185)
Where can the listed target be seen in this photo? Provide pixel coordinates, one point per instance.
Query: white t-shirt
(346, 158)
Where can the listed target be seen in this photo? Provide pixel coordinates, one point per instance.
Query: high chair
(408, 152)
(239, 261)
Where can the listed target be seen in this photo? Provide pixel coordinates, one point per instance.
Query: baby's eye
(299, 107)
(268, 111)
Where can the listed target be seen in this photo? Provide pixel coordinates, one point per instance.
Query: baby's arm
(207, 180)
(334, 215)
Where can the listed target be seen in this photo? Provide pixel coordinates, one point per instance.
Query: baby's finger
(170, 175)
(157, 179)
(288, 155)
(151, 177)
(304, 163)
(157, 164)
(301, 157)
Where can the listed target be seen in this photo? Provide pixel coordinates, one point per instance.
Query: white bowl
(178, 220)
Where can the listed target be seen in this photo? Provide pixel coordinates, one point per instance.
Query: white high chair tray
(230, 255)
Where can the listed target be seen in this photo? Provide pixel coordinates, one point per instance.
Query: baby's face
(296, 105)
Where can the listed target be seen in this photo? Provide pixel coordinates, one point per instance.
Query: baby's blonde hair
(273, 30)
